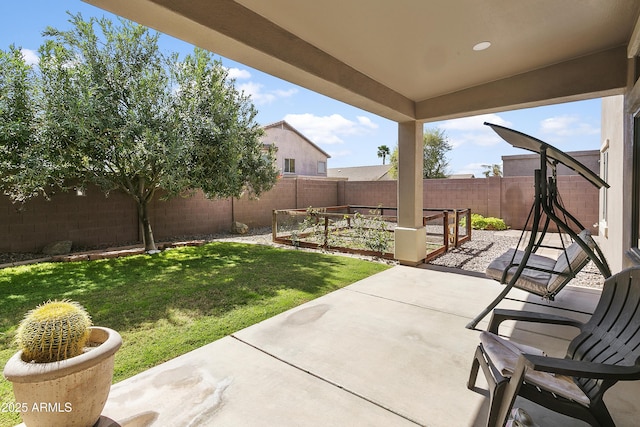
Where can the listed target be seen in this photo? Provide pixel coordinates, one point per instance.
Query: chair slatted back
(612, 335)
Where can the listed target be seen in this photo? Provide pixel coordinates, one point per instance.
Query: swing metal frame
(547, 207)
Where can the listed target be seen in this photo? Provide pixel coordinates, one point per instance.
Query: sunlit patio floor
(390, 350)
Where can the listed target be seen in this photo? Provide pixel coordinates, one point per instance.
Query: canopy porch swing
(525, 269)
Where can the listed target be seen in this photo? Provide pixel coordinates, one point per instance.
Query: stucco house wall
(525, 164)
(291, 144)
(615, 221)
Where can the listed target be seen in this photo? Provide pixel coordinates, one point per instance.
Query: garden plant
(478, 222)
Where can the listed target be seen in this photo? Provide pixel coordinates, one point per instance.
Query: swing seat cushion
(543, 283)
(531, 280)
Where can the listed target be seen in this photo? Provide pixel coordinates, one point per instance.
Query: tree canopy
(492, 170)
(20, 160)
(434, 155)
(111, 109)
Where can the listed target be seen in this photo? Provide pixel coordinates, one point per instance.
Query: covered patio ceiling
(411, 59)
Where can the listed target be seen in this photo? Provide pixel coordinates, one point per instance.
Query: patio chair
(526, 270)
(606, 350)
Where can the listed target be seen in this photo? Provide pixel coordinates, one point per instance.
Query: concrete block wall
(581, 199)
(188, 216)
(97, 220)
(258, 212)
(517, 195)
(299, 193)
(316, 192)
(457, 194)
(370, 193)
(578, 196)
(87, 220)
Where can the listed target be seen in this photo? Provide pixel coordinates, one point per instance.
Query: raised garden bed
(366, 230)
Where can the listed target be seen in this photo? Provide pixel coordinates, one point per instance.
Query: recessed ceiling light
(482, 46)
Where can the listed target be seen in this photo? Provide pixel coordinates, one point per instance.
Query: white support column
(410, 235)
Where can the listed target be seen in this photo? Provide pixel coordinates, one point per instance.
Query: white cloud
(329, 129)
(366, 121)
(472, 130)
(261, 97)
(285, 93)
(237, 73)
(30, 56)
(338, 154)
(474, 123)
(567, 125)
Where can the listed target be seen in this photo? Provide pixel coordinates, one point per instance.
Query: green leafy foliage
(492, 170)
(478, 222)
(435, 149)
(109, 108)
(351, 231)
(434, 155)
(372, 231)
(383, 152)
(24, 167)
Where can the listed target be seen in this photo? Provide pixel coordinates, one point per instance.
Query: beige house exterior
(436, 61)
(296, 155)
(619, 204)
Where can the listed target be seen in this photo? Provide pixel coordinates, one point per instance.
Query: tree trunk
(147, 234)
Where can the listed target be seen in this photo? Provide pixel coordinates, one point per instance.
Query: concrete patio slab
(397, 355)
(390, 350)
(228, 383)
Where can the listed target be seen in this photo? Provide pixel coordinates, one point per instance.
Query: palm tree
(383, 151)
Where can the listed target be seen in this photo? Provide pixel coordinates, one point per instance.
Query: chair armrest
(581, 369)
(500, 315)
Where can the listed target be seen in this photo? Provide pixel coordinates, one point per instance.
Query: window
(289, 165)
(322, 167)
(632, 106)
(635, 213)
(604, 193)
(634, 252)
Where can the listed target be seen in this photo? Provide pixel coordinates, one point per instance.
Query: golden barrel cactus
(54, 331)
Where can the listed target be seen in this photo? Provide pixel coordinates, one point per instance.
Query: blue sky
(350, 135)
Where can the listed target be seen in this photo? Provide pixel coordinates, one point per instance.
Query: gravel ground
(472, 256)
(485, 246)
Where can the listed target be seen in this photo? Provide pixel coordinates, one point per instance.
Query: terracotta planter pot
(68, 393)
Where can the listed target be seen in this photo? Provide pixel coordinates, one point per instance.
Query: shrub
(478, 222)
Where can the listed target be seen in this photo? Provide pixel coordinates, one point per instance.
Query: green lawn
(170, 303)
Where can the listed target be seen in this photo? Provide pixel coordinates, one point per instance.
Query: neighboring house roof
(284, 125)
(461, 176)
(361, 173)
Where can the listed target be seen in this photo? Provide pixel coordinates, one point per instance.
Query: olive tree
(116, 112)
(21, 159)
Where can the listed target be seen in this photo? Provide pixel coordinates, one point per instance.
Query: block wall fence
(96, 220)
